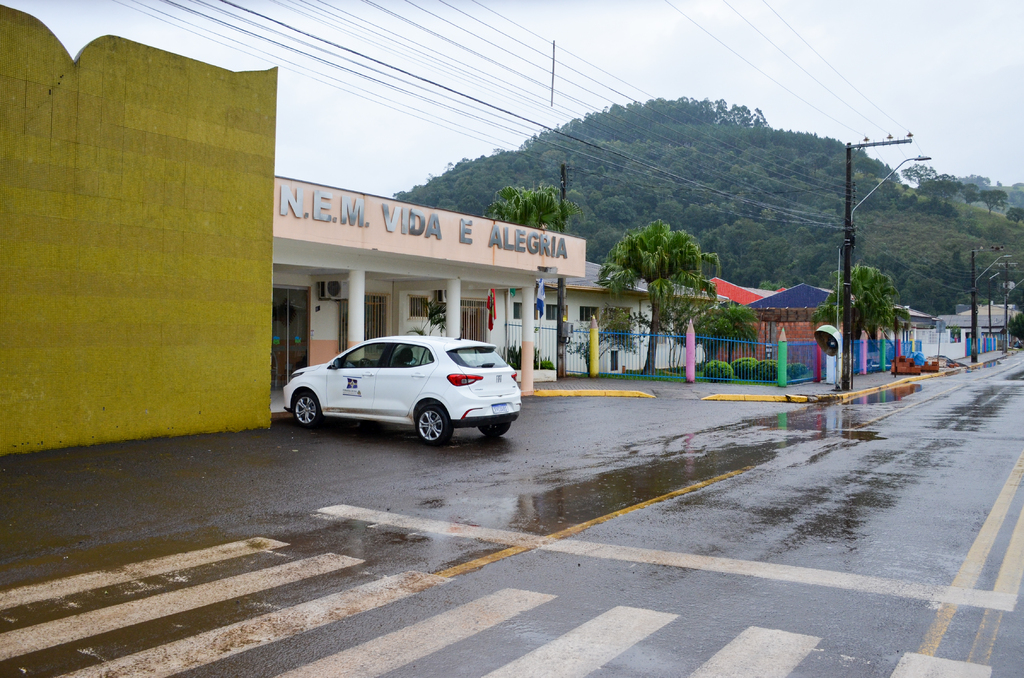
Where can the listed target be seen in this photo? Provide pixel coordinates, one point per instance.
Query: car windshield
(476, 356)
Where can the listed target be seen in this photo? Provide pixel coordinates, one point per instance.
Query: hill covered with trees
(769, 202)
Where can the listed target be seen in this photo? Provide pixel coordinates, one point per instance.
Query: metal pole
(974, 312)
(990, 305)
(560, 322)
(1006, 299)
(847, 369)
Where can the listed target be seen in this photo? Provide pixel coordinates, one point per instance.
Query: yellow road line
(969, 572)
(576, 529)
(610, 393)
(1008, 581)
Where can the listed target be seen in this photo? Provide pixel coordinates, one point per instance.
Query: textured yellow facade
(136, 244)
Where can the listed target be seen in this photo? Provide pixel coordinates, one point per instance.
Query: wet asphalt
(897, 486)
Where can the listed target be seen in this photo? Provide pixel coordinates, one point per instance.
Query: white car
(436, 384)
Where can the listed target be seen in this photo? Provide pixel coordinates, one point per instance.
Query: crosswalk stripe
(147, 568)
(394, 650)
(758, 653)
(206, 648)
(587, 647)
(914, 665)
(790, 573)
(955, 595)
(76, 627)
(506, 537)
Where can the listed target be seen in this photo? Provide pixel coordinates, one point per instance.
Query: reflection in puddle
(889, 395)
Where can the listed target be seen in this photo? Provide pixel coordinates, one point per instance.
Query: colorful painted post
(884, 357)
(593, 347)
(691, 354)
(863, 352)
(781, 364)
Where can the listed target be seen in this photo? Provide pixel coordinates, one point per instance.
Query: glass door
(290, 344)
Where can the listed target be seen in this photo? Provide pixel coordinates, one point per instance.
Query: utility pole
(974, 298)
(848, 241)
(974, 311)
(560, 322)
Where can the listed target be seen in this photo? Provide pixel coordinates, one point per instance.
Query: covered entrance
(290, 343)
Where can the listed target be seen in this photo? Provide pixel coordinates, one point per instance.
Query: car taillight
(514, 375)
(463, 379)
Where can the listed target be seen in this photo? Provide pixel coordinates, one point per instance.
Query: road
(641, 537)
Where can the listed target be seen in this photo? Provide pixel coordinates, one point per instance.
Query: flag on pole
(491, 310)
(540, 298)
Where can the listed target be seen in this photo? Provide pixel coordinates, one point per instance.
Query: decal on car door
(352, 389)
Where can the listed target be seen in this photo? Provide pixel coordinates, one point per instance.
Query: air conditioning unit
(331, 289)
(440, 296)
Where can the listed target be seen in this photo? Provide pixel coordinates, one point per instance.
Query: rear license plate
(500, 408)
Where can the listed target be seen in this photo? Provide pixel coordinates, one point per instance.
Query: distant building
(739, 294)
(790, 309)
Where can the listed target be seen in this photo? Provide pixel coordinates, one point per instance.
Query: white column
(453, 309)
(356, 307)
(529, 304)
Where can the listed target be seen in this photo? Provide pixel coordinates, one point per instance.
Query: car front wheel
(306, 410)
(495, 430)
(433, 425)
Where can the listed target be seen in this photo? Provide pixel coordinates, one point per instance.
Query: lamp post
(974, 296)
(848, 241)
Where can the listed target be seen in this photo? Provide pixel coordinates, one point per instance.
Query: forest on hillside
(769, 202)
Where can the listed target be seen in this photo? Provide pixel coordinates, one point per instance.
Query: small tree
(994, 199)
(1015, 214)
(969, 192)
(1016, 326)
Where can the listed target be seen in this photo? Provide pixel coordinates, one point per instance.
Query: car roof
(442, 343)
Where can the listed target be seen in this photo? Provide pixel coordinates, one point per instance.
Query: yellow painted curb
(760, 398)
(593, 392)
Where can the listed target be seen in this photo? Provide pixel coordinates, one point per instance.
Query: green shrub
(745, 368)
(547, 365)
(717, 370)
(797, 371)
(767, 370)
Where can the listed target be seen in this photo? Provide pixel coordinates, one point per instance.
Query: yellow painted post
(593, 347)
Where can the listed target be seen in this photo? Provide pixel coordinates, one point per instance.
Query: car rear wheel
(306, 409)
(433, 425)
(495, 430)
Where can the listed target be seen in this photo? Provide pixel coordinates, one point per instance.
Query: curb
(592, 392)
(830, 397)
(787, 398)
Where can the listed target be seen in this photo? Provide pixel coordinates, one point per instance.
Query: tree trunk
(652, 341)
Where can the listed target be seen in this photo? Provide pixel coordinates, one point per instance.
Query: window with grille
(418, 307)
(517, 310)
(587, 311)
(375, 317)
(473, 321)
(551, 312)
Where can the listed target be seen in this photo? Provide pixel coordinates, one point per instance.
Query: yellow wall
(136, 245)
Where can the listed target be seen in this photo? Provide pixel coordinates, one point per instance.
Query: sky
(456, 79)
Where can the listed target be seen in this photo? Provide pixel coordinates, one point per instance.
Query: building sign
(332, 216)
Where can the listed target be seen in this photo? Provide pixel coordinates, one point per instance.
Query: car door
(401, 380)
(351, 379)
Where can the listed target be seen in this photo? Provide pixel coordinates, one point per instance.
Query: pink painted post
(691, 354)
(817, 364)
(863, 352)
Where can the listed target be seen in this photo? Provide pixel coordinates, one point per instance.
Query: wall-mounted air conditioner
(331, 289)
(440, 296)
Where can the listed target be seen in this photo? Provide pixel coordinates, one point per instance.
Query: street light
(847, 355)
(974, 295)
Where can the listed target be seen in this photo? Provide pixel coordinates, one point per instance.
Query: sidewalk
(671, 388)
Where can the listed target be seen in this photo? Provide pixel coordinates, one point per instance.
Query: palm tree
(875, 302)
(667, 261)
(540, 208)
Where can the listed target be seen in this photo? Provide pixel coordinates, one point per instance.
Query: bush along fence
(625, 355)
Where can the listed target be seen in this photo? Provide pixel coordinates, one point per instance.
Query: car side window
(364, 356)
(408, 355)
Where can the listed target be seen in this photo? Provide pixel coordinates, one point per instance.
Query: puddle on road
(693, 458)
